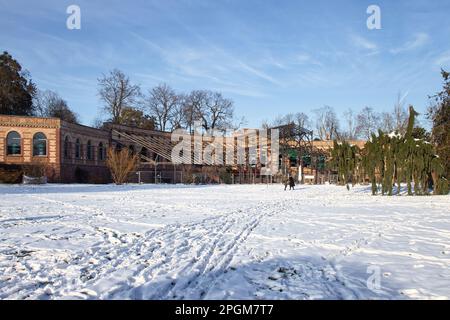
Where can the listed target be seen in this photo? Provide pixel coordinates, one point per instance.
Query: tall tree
(216, 112)
(387, 122)
(367, 122)
(350, 131)
(162, 102)
(192, 104)
(300, 119)
(400, 115)
(439, 113)
(136, 118)
(50, 104)
(16, 88)
(327, 123)
(117, 92)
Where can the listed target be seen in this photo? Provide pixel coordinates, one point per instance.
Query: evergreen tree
(390, 159)
(439, 113)
(16, 89)
(345, 159)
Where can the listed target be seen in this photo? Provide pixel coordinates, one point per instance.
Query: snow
(221, 242)
(394, 134)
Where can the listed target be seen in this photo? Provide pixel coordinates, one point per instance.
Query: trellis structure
(160, 145)
(299, 154)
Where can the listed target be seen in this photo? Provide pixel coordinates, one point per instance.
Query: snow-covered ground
(221, 242)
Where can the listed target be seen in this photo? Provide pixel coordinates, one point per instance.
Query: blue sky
(270, 57)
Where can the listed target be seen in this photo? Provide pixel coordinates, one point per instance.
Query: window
(14, 145)
(89, 150)
(66, 148)
(39, 144)
(101, 152)
(77, 149)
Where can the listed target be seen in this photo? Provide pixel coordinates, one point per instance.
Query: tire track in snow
(176, 260)
(220, 266)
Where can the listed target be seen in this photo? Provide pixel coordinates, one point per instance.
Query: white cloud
(364, 43)
(443, 59)
(304, 58)
(420, 39)
(209, 63)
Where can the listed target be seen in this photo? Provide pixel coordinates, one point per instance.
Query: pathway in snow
(225, 242)
(180, 261)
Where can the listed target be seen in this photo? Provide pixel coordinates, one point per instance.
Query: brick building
(69, 152)
(77, 153)
(74, 153)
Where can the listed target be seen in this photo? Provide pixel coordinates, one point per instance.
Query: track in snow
(314, 243)
(175, 262)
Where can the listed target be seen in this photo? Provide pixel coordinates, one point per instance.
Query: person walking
(291, 183)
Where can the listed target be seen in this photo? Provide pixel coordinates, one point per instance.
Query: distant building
(74, 153)
(70, 152)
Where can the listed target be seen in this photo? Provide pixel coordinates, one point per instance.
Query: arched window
(39, 144)
(101, 152)
(66, 148)
(14, 144)
(89, 154)
(77, 149)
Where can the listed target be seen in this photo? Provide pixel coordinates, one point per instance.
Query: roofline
(25, 116)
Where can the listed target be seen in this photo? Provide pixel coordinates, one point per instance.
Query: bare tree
(265, 124)
(213, 110)
(300, 119)
(400, 115)
(162, 102)
(239, 123)
(350, 121)
(327, 123)
(387, 122)
(192, 106)
(50, 104)
(177, 118)
(117, 93)
(367, 123)
(97, 122)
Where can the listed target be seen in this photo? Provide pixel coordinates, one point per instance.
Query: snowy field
(221, 242)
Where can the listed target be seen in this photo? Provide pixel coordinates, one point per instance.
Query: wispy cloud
(304, 58)
(420, 39)
(363, 43)
(208, 62)
(443, 59)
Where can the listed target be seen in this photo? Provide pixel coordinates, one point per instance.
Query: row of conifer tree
(388, 160)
